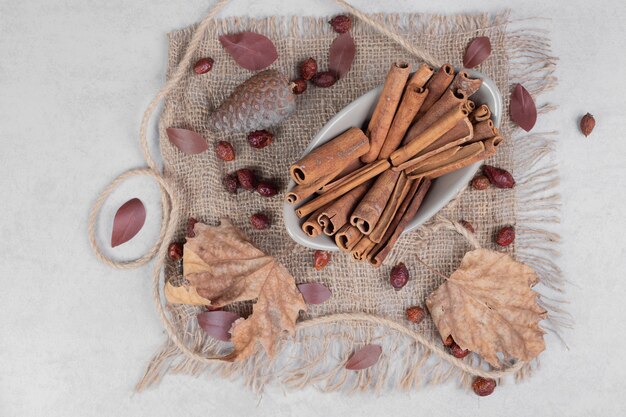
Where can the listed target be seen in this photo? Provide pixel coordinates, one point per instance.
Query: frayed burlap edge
(317, 354)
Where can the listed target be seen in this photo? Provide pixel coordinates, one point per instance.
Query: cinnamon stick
(421, 76)
(480, 114)
(368, 211)
(428, 136)
(334, 216)
(437, 85)
(465, 83)
(302, 191)
(311, 226)
(385, 109)
(352, 181)
(449, 100)
(334, 155)
(484, 130)
(347, 237)
(400, 192)
(446, 158)
(362, 249)
(378, 254)
(411, 102)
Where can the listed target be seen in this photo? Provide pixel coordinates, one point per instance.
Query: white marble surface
(75, 335)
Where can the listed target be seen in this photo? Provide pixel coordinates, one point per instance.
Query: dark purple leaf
(128, 221)
(477, 51)
(250, 50)
(523, 110)
(314, 293)
(341, 54)
(187, 141)
(364, 358)
(217, 324)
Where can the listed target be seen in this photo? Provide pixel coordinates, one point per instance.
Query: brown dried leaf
(250, 50)
(363, 358)
(523, 109)
(128, 221)
(184, 295)
(478, 50)
(341, 54)
(487, 306)
(224, 267)
(188, 141)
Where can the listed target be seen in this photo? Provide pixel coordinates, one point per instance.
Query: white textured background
(75, 335)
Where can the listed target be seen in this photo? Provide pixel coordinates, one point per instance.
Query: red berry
(325, 79)
(247, 179)
(266, 189)
(480, 183)
(231, 184)
(415, 314)
(190, 224)
(298, 86)
(399, 276)
(321, 259)
(457, 352)
(308, 69)
(483, 386)
(341, 23)
(175, 251)
(449, 341)
(225, 151)
(505, 236)
(260, 221)
(260, 138)
(203, 66)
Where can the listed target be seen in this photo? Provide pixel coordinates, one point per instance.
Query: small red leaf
(523, 110)
(477, 51)
(364, 358)
(187, 141)
(341, 54)
(217, 324)
(128, 221)
(250, 50)
(314, 293)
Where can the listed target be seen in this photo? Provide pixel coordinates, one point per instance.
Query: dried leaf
(314, 293)
(217, 324)
(250, 50)
(487, 306)
(128, 221)
(184, 295)
(341, 54)
(363, 358)
(523, 110)
(477, 51)
(187, 141)
(224, 267)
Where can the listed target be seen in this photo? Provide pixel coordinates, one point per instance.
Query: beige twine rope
(170, 214)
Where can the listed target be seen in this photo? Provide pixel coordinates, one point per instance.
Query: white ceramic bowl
(442, 190)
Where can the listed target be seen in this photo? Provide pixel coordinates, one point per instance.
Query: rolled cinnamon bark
(334, 216)
(484, 130)
(465, 83)
(347, 237)
(481, 113)
(447, 157)
(411, 102)
(470, 106)
(400, 192)
(368, 211)
(362, 249)
(334, 155)
(353, 167)
(385, 109)
(421, 76)
(378, 254)
(460, 134)
(449, 100)
(428, 136)
(302, 191)
(311, 226)
(352, 181)
(437, 85)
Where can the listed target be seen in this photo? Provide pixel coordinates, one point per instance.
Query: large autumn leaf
(222, 267)
(487, 306)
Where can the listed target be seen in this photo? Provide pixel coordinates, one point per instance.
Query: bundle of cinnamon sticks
(369, 185)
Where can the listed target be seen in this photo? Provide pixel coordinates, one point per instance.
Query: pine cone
(263, 100)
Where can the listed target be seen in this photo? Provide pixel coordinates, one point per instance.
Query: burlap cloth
(317, 354)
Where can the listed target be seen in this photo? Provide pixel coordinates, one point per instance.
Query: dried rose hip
(587, 123)
(260, 138)
(415, 314)
(247, 179)
(399, 276)
(505, 236)
(308, 69)
(298, 86)
(341, 23)
(175, 251)
(260, 221)
(266, 189)
(321, 259)
(457, 352)
(467, 225)
(203, 66)
(480, 183)
(483, 386)
(231, 184)
(190, 224)
(499, 177)
(449, 341)
(225, 151)
(324, 79)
